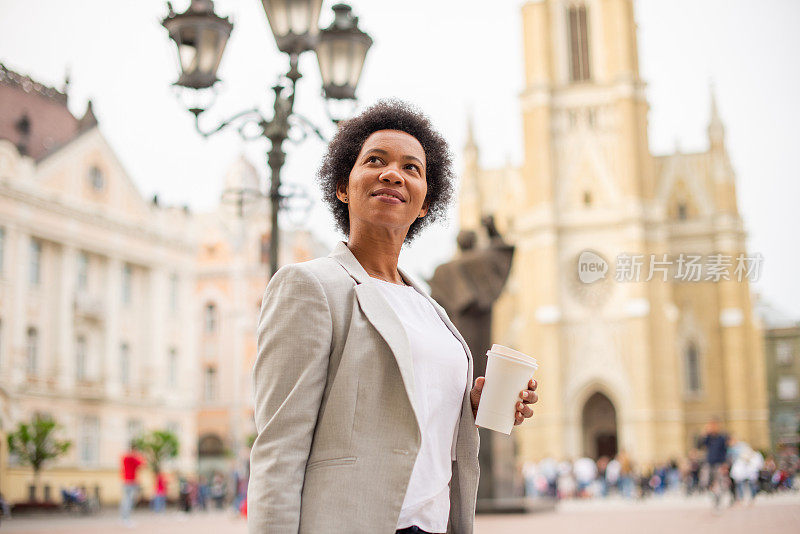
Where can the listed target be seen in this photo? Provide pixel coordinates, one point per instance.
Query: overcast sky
(447, 57)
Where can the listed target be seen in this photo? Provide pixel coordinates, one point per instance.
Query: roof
(35, 117)
(773, 317)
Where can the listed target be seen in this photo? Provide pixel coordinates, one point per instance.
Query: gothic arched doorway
(211, 455)
(599, 423)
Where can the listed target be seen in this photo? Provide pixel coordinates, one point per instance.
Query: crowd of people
(194, 492)
(730, 471)
(215, 491)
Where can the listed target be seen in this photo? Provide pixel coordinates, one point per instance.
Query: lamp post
(200, 36)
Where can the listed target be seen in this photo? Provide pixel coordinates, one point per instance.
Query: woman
(365, 417)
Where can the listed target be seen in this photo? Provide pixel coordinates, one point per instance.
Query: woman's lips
(389, 199)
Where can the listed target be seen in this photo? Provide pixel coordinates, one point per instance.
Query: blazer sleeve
(294, 335)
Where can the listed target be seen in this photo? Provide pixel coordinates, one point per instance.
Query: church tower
(606, 347)
(630, 359)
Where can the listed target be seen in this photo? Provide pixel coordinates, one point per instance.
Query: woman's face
(393, 160)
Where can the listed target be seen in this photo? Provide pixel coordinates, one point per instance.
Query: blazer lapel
(386, 322)
(381, 316)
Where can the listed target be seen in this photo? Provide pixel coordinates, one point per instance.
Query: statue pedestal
(499, 486)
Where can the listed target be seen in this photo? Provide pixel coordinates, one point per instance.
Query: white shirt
(440, 379)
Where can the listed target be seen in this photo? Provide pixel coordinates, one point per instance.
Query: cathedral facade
(630, 277)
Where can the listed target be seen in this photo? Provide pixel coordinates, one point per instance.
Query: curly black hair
(389, 114)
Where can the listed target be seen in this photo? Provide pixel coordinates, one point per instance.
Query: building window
(211, 318)
(89, 440)
(124, 364)
(83, 271)
(96, 179)
(2, 247)
(35, 263)
(693, 384)
(578, 44)
(134, 430)
(32, 351)
(173, 292)
(787, 388)
(682, 213)
(127, 277)
(587, 198)
(210, 384)
(172, 368)
(783, 352)
(80, 359)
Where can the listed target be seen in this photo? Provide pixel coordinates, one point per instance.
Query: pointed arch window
(80, 359)
(692, 358)
(211, 318)
(578, 43)
(32, 351)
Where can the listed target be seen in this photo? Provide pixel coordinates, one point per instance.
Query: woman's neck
(377, 256)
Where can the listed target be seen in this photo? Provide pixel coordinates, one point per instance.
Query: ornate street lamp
(294, 23)
(341, 51)
(200, 36)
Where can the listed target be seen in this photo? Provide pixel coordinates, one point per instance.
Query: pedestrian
(203, 492)
(529, 474)
(131, 462)
(339, 335)
(744, 472)
(160, 495)
(715, 442)
(5, 509)
(218, 491)
(585, 471)
(184, 494)
(613, 474)
(627, 478)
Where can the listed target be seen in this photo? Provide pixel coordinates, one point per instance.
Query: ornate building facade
(232, 269)
(626, 363)
(95, 295)
(782, 349)
(117, 314)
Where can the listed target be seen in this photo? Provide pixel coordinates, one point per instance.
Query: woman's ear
(341, 192)
(424, 210)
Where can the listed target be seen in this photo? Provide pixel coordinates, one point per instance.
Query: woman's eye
(412, 166)
(371, 159)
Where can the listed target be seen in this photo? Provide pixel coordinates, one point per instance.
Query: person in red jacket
(131, 461)
(160, 498)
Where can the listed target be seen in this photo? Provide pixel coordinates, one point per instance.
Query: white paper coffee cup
(506, 376)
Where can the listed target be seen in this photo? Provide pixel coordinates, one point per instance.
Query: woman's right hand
(475, 395)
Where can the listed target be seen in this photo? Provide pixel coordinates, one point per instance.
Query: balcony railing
(89, 307)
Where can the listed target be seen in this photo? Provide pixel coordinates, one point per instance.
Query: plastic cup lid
(526, 362)
(511, 353)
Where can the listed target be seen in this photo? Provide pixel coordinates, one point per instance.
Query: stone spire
(716, 130)
(89, 120)
(470, 193)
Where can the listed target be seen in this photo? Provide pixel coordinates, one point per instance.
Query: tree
(35, 443)
(158, 446)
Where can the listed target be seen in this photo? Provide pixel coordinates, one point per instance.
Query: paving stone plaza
(668, 515)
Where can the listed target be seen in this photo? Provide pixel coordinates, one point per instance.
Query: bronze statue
(467, 288)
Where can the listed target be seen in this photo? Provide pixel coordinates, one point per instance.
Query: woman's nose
(391, 175)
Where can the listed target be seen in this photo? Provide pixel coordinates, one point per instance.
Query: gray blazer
(333, 383)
